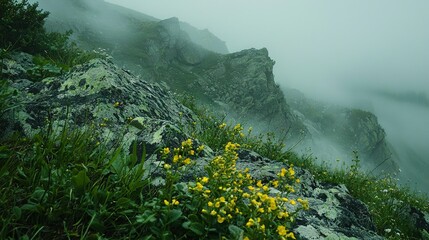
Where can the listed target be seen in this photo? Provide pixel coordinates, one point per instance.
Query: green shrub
(21, 26)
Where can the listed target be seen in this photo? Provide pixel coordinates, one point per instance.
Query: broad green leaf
(195, 227)
(80, 180)
(172, 216)
(236, 232)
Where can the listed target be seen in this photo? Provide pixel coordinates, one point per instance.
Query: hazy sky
(319, 46)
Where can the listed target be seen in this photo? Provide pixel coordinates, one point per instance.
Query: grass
(63, 183)
(388, 203)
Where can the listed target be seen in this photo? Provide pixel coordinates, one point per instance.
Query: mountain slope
(241, 84)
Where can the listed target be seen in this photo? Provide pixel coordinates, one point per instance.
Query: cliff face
(241, 84)
(348, 129)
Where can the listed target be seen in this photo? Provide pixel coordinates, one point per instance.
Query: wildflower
(222, 126)
(250, 223)
(199, 187)
(191, 152)
(210, 204)
(213, 213)
(167, 203)
(220, 219)
(304, 203)
(187, 161)
(176, 158)
(200, 148)
(292, 202)
(175, 202)
(282, 230)
(282, 172)
(238, 127)
(187, 143)
(167, 166)
(165, 151)
(205, 180)
(117, 104)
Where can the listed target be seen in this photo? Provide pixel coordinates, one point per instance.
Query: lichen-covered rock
(333, 213)
(100, 96)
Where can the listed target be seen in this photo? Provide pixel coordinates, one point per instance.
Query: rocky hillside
(126, 108)
(241, 84)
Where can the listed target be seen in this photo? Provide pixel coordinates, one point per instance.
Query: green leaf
(16, 213)
(146, 217)
(195, 227)
(236, 232)
(172, 216)
(80, 180)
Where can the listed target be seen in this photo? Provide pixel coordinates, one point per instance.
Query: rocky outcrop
(99, 96)
(348, 129)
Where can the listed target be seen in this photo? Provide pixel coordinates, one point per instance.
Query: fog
(342, 51)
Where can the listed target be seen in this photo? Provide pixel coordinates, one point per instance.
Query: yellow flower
(217, 204)
(176, 158)
(220, 219)
(191, 152)
(167, 166)
(250, 223)
(262, 227)
(213, 212)
(187, 143)
(210, 204)
(200, 148)
(283, 215)
(175, 202)
(246, 238)
(282, 230)
(222, 199)
(292, 202)
(165, 151)
(205, 180)
(167, 203)
(238, 127)
(187, 161)
(282, 172)
(275, 183)
(222, 126)
(199, 186)
(259, 183)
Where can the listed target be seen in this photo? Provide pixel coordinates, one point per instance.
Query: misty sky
(332, 50)
(320, 46)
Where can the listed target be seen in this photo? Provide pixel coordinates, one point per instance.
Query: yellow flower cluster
(228, 194)
(181, 156)
(173, 202)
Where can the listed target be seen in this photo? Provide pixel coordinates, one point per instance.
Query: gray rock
(16, 65)
(102, 97)
(333, 213)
